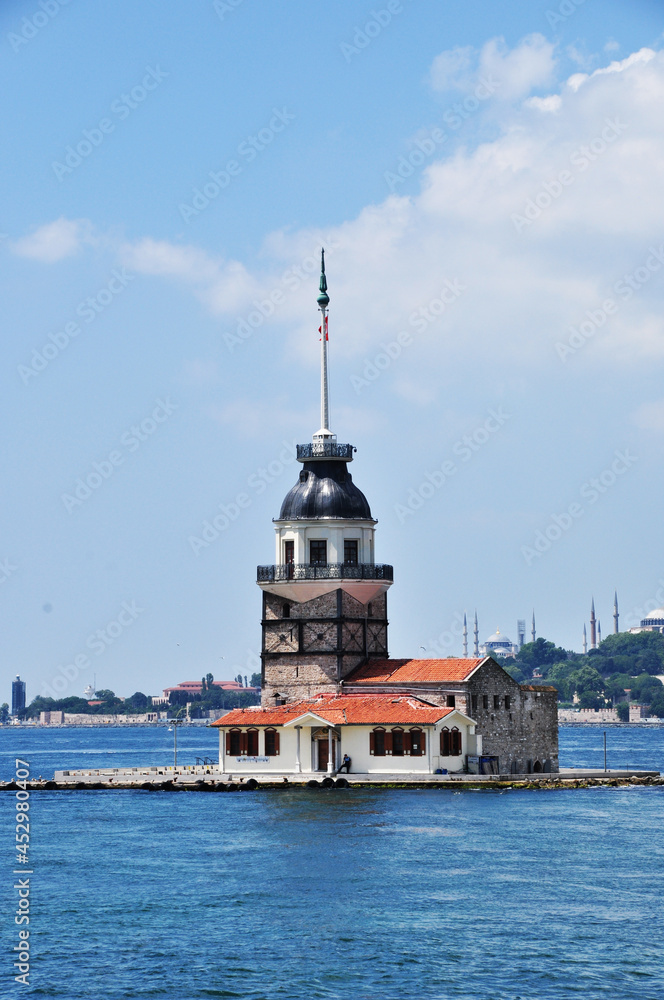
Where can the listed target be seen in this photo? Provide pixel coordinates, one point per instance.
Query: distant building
(653, 622)
(196, 687)
(18, 695)
(500, 645)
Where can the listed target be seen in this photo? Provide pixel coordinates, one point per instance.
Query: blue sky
(487, 181)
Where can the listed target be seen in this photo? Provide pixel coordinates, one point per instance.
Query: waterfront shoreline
(229, 782)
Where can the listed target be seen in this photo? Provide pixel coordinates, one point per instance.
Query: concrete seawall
(169, 779)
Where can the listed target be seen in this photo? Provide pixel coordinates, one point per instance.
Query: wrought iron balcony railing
(330, 571)
(324, 449)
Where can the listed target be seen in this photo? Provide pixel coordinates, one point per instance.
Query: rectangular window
(451, 701)
(318, 552)
(350, 552)
(508, 703)
(473, 699)
(496, 701)
(485, 701)
(397, 743)
(289, 558)
(271, 743)
(416, 742)
(377, 743)
(233, 743)
(252, 742)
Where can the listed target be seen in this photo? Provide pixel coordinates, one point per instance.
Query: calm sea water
(341, 894)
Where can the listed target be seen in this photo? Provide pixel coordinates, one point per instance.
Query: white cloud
(642, 56)
(224, 286)
(55, 240)
(525, 284)
(516, 71)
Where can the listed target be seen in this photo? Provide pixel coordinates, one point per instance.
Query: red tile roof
(352, 709)
(414, 671)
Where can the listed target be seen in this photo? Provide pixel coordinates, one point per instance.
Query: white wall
(355, 742)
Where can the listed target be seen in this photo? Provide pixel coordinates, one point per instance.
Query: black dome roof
(325, 489)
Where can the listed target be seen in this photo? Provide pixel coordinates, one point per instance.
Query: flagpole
(323, 302)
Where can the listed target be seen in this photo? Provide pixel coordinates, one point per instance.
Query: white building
(380, 733)
(500, 645)
(653, 622)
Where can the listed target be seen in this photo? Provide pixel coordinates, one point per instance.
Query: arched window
(397, 742)
(233, 742)
(271, 743)
(445, 742)
(455, 742)
(252, 742)
(377, 742)
(417, 743)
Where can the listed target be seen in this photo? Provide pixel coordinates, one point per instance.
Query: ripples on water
(341, 894)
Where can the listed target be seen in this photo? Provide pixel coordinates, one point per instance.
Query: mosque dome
(325, 490)
(655, 617)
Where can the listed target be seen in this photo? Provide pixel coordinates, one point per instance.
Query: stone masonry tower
(325, 598)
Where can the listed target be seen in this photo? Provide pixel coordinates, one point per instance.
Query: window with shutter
(252, 742)
(416, 742)
(455, 741)
(235, 749)
(445, 742)
(397, 742)
(271, 743)
(379, 742)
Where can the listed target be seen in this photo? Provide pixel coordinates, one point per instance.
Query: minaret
(593, 626)
(599, 633)
(325, 598)
(477, 637)
(532, 631)
(465, 636)
(615, 613)
(585, 639)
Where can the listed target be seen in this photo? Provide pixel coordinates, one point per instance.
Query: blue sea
(336, 894)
